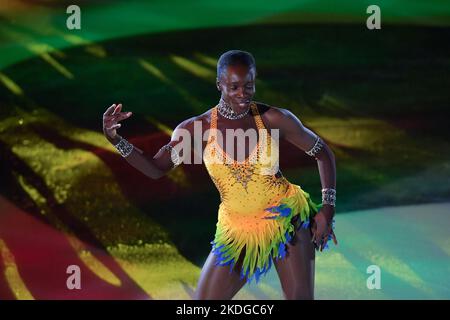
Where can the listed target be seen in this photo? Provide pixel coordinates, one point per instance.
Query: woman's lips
(243, 103)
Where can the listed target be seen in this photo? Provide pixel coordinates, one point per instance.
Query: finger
(110, 121)
(110, 110)
(117, 109)
(319, 237)
(313, 241)
(122, 116)
(323, 243)
(320, 242)
(334, 238)
(109, 125)
(116, 126)
(118, 116)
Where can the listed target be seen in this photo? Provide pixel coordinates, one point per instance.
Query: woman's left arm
(293, 130)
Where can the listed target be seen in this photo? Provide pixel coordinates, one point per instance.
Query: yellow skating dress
(257, 204)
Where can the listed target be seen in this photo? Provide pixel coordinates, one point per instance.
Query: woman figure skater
(263, 219)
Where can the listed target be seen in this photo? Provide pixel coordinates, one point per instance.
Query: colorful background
(379, 98)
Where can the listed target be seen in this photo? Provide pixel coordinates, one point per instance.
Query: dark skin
(237, 87)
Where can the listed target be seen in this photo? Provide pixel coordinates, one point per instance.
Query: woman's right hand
(111, 119)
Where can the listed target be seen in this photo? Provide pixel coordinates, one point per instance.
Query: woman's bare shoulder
(272, 114)
(201, 119)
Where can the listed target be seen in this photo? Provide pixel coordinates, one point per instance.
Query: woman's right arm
(155, 167)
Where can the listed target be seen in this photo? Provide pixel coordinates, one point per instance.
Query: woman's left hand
(322, 229)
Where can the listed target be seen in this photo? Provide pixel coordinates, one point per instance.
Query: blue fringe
(280, 211)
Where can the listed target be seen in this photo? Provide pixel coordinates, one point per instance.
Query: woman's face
(237, 85)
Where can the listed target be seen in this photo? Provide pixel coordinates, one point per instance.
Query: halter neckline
(259, 125)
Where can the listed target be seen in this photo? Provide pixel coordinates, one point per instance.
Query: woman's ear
(217, 84)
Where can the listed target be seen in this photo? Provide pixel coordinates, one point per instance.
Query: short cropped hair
(232, 58)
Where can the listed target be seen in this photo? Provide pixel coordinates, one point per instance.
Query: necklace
(227, 112)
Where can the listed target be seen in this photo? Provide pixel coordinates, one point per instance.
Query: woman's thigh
(217, 282)
(296, 269)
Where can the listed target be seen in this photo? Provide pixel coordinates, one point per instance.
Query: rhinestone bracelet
(318, 145)
(329, 196)
(174, 157)
(124, 147)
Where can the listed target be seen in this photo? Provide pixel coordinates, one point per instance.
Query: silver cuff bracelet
(329, 196)
(174, 157)
(124, 147)
(318, 145)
